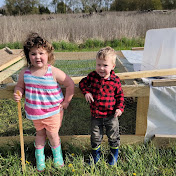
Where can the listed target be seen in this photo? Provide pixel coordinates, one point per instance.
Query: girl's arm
(19, 86)
(68, 83)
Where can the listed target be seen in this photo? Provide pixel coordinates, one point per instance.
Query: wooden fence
(140, 91)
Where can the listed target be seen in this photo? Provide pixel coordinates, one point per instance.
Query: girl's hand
(118, 113)
(89, 97)
(17, 97)
(63, 105)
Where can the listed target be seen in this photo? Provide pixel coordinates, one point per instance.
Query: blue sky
(2, 3)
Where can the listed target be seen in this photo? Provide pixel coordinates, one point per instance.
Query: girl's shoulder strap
(49, 71)
(26, 70)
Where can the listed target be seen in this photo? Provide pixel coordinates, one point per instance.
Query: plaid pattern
(107, 93)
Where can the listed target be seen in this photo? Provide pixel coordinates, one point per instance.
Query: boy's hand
(89, 97)
(118, 113)
(17, 97)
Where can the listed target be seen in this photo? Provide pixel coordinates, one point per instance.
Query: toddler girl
(44, 100)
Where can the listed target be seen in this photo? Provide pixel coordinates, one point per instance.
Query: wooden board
(163, 82)
(81, 141)
(7, 59)
(138, 74)
(75, 55)
(11, 70)
(137, 48)
(6, 91)
(148, 73)
(141, 115)
(161, 140)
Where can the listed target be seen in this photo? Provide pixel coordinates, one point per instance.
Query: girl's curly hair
(34, 40)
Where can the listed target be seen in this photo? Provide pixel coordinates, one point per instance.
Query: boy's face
(104, 67)
(38, 57)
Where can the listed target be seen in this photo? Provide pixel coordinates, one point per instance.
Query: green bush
(65, 46)
(88, 45)
(15, 45)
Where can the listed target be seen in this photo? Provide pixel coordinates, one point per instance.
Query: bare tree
(55, 4)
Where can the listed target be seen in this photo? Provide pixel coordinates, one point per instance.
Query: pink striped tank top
(43, 95)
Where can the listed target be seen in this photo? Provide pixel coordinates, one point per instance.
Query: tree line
(24, 7)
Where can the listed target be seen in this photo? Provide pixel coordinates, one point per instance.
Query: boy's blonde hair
(107, 53)
(34, 40)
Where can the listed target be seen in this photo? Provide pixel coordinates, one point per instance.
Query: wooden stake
(21, 133)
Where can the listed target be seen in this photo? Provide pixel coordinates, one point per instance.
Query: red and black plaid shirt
(107, 93)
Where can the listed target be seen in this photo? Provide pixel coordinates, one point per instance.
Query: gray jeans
(111, 125)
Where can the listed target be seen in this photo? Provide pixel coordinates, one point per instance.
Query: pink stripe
(27, 72)
(48, 74)
(41, 86)
(42, 103)
(43, 93)
(32, 111)
(39, 147)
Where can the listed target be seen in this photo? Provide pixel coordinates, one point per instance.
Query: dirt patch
(75, 55)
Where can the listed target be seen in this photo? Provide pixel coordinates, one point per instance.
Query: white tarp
(162, 112)
(134, 57)
(159, 49)
(159, 53)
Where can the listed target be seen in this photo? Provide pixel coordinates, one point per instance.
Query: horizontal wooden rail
(81, 141)
(164, 82)
(148, 73)
(6, 91)
(11, 70)
(138, 74)
(137, 48)
(16, 59)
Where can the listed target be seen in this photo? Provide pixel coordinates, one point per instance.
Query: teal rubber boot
(96, 153)
(57, 156)
(40, 159)
(113, 156)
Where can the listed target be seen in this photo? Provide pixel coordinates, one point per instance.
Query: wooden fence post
(141, 115)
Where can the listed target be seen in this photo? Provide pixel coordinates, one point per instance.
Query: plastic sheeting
(162, 112)
(134, 57)
(159, 49)
(159, 53)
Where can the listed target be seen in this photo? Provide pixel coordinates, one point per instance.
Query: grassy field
(140, 160)
(146, 160)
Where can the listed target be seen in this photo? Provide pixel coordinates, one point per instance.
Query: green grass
(77, 68)
(88, 45)
(142, 160)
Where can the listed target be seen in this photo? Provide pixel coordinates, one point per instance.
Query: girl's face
(104, 67)
(38, 57)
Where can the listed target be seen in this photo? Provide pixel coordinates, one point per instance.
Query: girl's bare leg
(55, 144)
(40, 138)
(54, 136)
